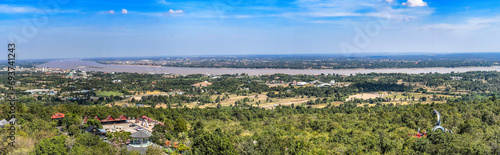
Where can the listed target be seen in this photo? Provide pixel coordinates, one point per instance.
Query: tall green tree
(52, 146)
(180, 125)
(94, 122)
(212, 144)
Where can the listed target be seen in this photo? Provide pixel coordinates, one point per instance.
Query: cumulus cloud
(389, 1)
(111, 12)
(415, 3)
(124, 11)
(175, 11)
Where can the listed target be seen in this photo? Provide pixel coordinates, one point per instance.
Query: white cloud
(9, 9)
(243, 16)
(124, 11)
(358, 9)
(161, 14)
(175, 11)
(111, 12)
(333, 8)
(415, 3)
(410, 14)
(334, 14)
(471, 24)
(15, 9)
(164, 2)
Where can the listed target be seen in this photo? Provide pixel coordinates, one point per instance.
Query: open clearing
(108, 93)
(366, 96)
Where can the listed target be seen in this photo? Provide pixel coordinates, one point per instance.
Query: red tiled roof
(122, 117)
(57, 115)
(108, 119)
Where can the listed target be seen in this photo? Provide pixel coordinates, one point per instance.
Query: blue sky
(116, 28)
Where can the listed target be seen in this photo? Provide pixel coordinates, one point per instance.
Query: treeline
(318, 61)
(338, 93)
(171, 100)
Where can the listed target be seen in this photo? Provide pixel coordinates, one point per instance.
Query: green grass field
(108, 93)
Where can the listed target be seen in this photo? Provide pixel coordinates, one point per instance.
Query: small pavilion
(140, 142)
(140, 138)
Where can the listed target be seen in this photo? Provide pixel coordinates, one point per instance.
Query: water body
(94, 66)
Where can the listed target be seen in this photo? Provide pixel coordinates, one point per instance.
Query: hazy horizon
(125, 28)
(360, 55)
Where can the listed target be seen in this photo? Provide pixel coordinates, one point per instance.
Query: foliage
(52, 146)
(213, 143)
(94, 122)
(108, 93)
(180, 125)
(153, 150)
(183, 148)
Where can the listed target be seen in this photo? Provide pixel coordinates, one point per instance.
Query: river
(94, 66)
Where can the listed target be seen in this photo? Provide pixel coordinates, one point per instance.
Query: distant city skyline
(125, 28)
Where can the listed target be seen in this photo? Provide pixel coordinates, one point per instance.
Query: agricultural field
(108, 93)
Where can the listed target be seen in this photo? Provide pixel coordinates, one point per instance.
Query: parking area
(130, 126)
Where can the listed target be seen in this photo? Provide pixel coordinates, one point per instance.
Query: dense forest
(284, 130)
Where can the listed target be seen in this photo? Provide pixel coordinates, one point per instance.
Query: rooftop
(141, 134)
(5, 122)
(57, 115)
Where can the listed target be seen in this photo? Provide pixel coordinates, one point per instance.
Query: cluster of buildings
(176, 92)
(456, 78)
(41, 92)
(77, 74)
(74, 74)
(36, 69)
(109, 119)
(18, 69)
(134, 62)
(140, 139)
(315, 83)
